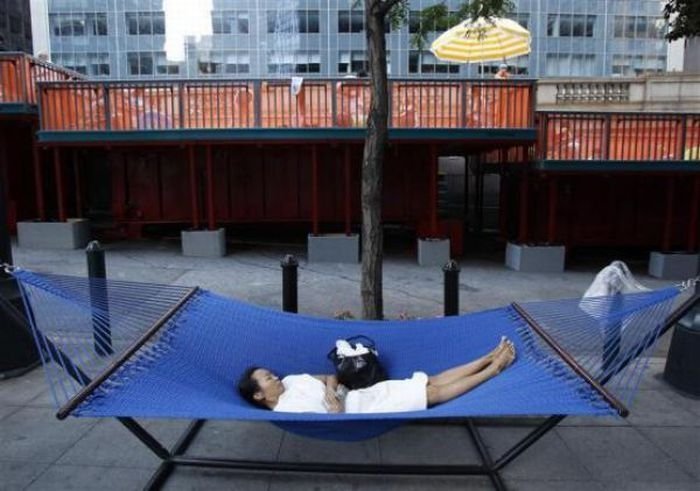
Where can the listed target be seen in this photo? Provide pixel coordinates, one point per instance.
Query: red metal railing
(618, 136)
(339, 103)
(19, 74)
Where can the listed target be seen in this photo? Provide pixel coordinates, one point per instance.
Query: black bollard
(451, 273)
(289, 284)
(99, 300)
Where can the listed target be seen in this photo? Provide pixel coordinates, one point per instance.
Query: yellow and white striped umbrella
(482, 40)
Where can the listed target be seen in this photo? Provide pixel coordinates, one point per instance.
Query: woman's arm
(331, 381)
(333, 403)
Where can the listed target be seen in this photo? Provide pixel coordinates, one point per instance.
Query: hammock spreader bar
(83, 394)
(569, 360)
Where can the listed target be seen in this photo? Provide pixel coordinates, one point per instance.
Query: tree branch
(387, 5)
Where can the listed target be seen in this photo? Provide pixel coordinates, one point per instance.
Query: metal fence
(337, 103)
(618, 136)
(19, 74)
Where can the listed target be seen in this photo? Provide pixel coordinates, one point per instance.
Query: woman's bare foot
(502, 345)
(504, 358)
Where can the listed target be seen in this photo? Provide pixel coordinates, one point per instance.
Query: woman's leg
(443, 393)
(452, 374)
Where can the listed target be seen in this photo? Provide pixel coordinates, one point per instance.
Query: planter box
(71, 234)
(673, 266)
(535, 259)
(433, 252)
(203, 243)
(334, 248)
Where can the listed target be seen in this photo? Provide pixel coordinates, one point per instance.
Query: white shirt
(302, 394)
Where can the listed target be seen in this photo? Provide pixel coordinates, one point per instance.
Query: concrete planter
(673, 265)
(71, 234)
(203, 243)
(433, 252)
(535, 259)
(334, 248)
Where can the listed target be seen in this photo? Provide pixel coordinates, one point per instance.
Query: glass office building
(326, 38)
(15, 26)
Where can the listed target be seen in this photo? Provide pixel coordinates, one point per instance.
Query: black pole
(5, 245)
(289, 284)
(99, 300)
(451, 274)
(18, 353)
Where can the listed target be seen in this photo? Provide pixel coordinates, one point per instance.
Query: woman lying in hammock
(319, 393)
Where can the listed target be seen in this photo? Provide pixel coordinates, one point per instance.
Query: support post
(523, 230)
(451, 287)
(193, 187)
(289, 284)
(668, 220)
(210, 190)
(433, 191)
(347, 182)
(314, 191)
(552, 215)
(59, 185)
(38, 179)
(99, 301)
(78, 186)
(693, 225)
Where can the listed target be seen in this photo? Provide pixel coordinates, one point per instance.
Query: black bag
(358, 372)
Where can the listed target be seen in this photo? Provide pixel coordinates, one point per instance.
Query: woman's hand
(333, 404)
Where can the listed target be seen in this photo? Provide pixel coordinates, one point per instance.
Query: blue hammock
(189, 366)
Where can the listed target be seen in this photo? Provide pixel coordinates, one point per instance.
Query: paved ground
(656, 448)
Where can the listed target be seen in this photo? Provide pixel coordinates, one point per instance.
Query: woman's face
(270, 385)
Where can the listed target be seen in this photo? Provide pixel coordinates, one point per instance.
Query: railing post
(451, 287)
(289, 284)
(99, 302)
(684, 135)
(108, 107)
(257, 103)
(334, 104)
(463, 105)
(607, 131)
(181, 104)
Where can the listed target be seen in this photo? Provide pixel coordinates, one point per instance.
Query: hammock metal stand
(176, 456)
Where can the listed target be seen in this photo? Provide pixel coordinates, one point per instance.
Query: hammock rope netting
(190, 367)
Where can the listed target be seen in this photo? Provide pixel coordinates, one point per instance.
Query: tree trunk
(373, 164)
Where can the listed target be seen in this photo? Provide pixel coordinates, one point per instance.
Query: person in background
(502, 73)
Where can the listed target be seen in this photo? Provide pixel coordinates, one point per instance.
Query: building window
(72, 61)
(224, 62)
(97, 24)
(300, 62)
(351, 21)
(145, 23)
(352, 61)
(630, 65)
(306, 22)
(521, 18)
(570, 64)
(98, 64)
(426, 62)
(637, 27)
(414, 23)
(230, 22)
(78, 24)
(67, 24)
(15, 24)
(140, 63)
(570, 25)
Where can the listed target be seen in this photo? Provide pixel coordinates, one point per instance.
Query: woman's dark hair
(248, 386)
